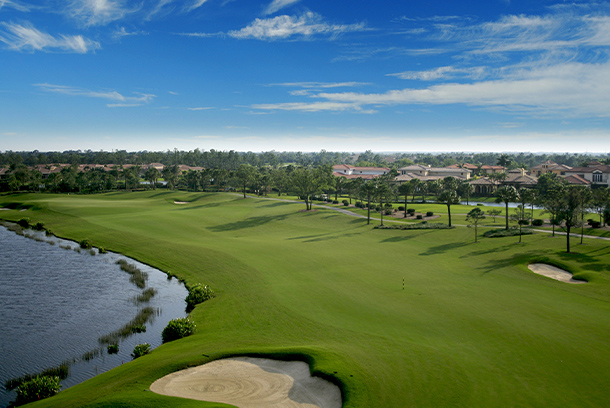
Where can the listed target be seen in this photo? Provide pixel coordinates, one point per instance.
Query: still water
(56, 303)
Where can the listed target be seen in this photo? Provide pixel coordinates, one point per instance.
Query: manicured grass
(473, 327)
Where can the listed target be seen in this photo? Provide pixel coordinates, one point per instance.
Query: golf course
(472, 326)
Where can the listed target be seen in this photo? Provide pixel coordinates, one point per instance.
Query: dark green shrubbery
(401, 208)
(419, 217)
(410, 211)
(335, 202)
(113, 348)
(24, 223)
(37, 388)
(429, 214)
(345, 203)
(388, 211)
(419, 225)
(198, 293)
(177, 329)
(513, 232)
(140, 350)
(86, 244)
(39, 226)
(537, 222)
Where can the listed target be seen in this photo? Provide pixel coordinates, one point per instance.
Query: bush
(358, 204)
(335, 202)
(420, 217)
(37, 388)
(86, 244)
(39, 226)
(177, 329)
(345, 203)
(595, 224)
(378, 208)
(499, 233)
(113, 348)
(24, 223)
(411, 211)
(538, 222)
(401, 208)
(429, 214)
(419, 225)
(140, 350)
(198, 293)
(101, 250)
(388, 211)
(388, 205)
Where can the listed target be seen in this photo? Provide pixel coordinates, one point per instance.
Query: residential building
(596, 173)
(549, 167)
(353, 172)
(436, 172)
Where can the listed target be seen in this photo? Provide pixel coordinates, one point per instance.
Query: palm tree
(506, 194)
(368, 190)
(406, 189)
(475, 215)
(152, 174)
(449, 194)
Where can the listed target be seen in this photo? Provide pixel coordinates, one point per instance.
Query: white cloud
(27, 38)
(121, 100)
(277, 5)
(201, 108)
(97, 12)
(195, 5)
(320, 85)
(17, 5)
(122, 32)
(442, 73)
(283, 27)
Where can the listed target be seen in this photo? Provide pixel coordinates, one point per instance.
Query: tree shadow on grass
(498, 263)
(587, 261)
(251, 222)
(322, 237)
(489, 251)
(444, 248)
(276, 204)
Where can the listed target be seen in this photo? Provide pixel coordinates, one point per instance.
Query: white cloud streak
(277, 5)
(97, 12)
(284, 27)
(195, 5)
(27, 38)
(14, 5)
(119, 99)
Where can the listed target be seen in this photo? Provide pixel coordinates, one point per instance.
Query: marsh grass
(137, 277)
(62, 371)
(145, 296)
(137, 323)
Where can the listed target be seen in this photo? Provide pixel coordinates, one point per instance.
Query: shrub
(388, 211)
(177, 329)
(499, 233)
(378, 208)
(429, 214)
(140, 350)
(37, 388)
(39, 226)
(86, 244)
(420, 217)
(537, 222)
(411, 211)
(401, 208)
(595, 224)
(388, 205)
(417, 226)
(345, 203)
(101, 250)
(198, 293)
(335, 202)
(24, 223)
(113, 348)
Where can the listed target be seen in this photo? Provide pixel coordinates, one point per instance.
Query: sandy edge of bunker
(553, 272)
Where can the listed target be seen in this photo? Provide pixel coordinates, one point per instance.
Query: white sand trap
(248, 382)
(181, 202)
(553, 272)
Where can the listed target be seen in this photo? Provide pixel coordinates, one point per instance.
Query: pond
(57, 300)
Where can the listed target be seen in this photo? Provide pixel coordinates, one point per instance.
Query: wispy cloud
(200, 108)
(27, 38)
(17, 5)
(97, 12)
(118, 99)
(277, 5)
(195, 5)
(283, 27)
(122, 32)
(321, 85)
(447, 72)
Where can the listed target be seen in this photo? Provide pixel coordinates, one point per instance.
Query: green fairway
(472, 328)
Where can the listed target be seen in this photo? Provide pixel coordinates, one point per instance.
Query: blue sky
(305, 75)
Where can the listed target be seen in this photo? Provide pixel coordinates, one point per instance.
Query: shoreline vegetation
(283, 290)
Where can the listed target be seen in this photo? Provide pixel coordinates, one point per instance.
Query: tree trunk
(449, 212)
(506, 215)
(405, 205)
(568, 237)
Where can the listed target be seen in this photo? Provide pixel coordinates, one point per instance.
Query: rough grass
(473, 327)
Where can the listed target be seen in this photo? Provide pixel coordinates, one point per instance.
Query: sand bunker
(181, 202)
(553, 272)
(251, 383)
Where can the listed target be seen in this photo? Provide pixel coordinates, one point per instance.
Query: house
(549, 167)
(485, 186)
(353, 172)
(596, 173)
(436, 172)
(482, 170)
(520, 179)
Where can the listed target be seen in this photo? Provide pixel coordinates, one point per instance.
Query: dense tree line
(231, 160)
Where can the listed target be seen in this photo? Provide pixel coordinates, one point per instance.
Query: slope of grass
(473, 327)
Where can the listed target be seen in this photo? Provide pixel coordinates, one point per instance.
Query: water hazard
(58, 300)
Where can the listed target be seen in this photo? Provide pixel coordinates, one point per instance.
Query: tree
(495, 212)
(417, 183)
(384, 192)
(474, 216)
(172, 175)
(308, 182)
(465, 190)
(521, 217)
(599, 202)
(152, 175)
(406, 189)
(339, 184)
(368, 190)
(570, 209)
(527, 196)
(506, 194)
(449, 194)
(245, 174)
(504, 160)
